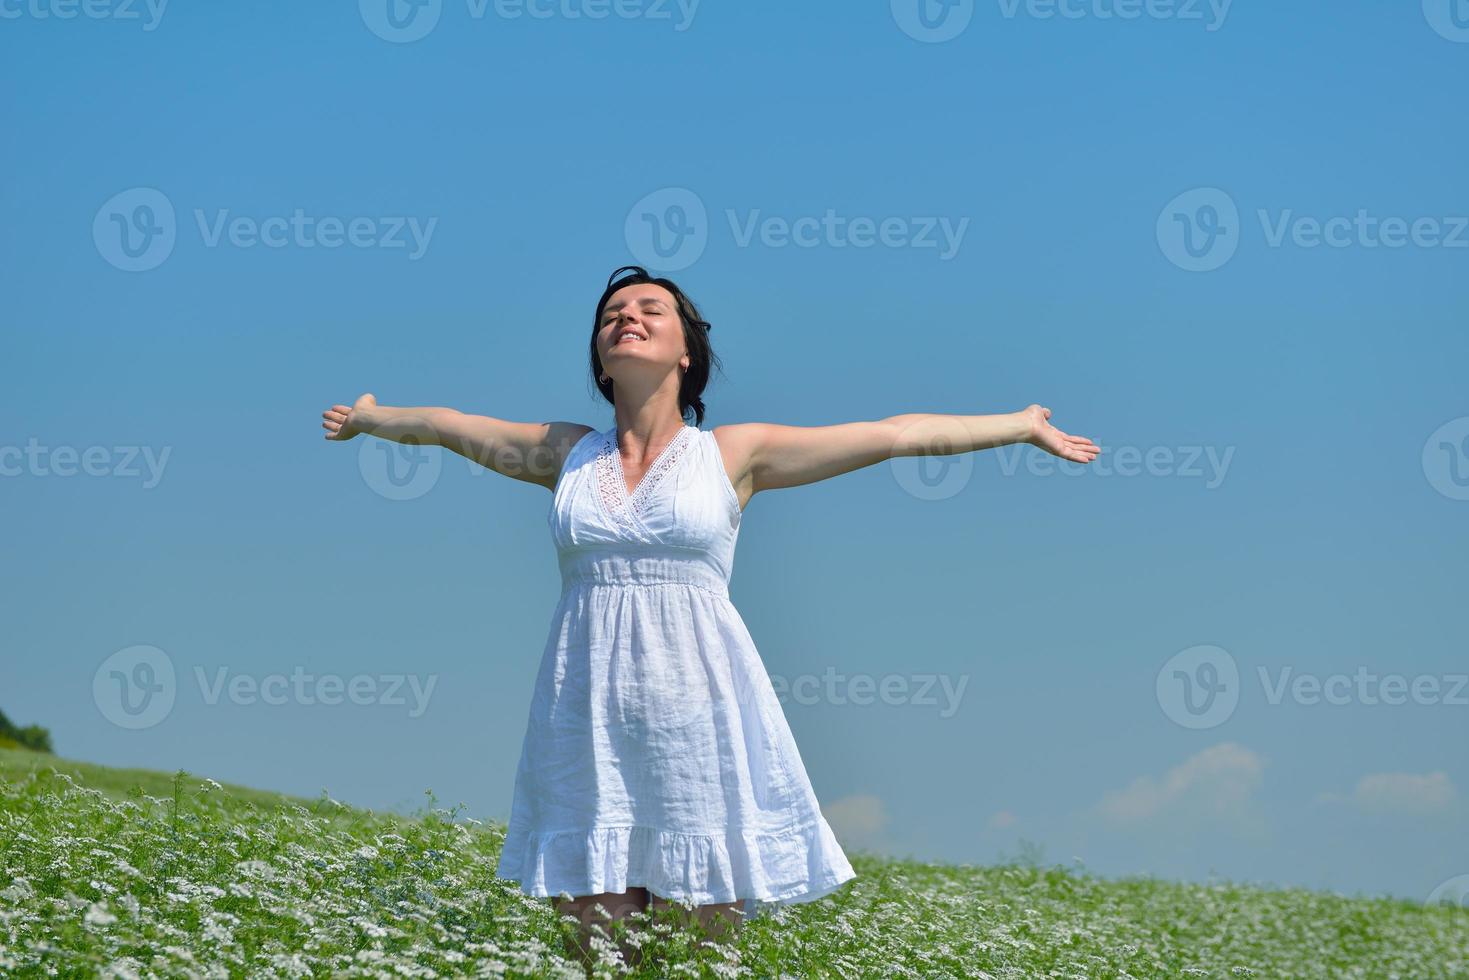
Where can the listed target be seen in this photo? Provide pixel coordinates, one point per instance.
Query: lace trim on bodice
(612, 480)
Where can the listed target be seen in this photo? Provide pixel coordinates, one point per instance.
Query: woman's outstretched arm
(764, 456)
(529, 451)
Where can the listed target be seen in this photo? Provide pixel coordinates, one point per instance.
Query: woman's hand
(1046, 436)
(338, 419)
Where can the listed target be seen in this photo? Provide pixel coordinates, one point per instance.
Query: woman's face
(640, 322)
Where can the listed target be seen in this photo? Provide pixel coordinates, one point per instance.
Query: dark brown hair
(696, 336)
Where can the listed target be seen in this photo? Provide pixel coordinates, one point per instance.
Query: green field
(133, 873)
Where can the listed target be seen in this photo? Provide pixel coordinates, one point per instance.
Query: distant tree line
(32, 737)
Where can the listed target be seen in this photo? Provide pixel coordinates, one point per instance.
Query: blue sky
(1226, 242)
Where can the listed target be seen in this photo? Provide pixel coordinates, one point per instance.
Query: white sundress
(656, 753)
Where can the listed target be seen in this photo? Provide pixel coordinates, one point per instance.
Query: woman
(657, 765)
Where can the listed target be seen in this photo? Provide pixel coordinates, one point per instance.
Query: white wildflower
(98, 915)
(120, 865)
(126, 968)
(19, 891)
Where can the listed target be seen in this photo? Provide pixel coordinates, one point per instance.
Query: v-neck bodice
(678, 525)
(612, 477)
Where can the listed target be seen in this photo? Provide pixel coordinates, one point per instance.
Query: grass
(132, 873)
(121, 784)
